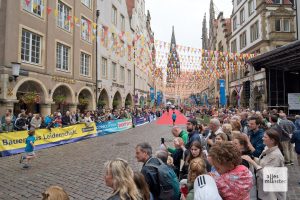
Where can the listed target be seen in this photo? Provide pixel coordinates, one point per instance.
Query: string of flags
(119, 43)
(199, 68)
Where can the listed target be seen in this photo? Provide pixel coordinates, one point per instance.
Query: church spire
(204, 33)
(173, 40)
(212, 40)
(173, 66)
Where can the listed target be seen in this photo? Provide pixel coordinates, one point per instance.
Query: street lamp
(97, 17)
(15, 71)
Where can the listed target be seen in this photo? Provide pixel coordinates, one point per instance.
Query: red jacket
(235, 184)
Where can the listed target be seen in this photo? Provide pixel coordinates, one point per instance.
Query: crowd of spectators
(28, 121)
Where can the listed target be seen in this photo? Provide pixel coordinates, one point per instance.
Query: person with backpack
(161, 179)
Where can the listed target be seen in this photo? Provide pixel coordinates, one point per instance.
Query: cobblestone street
(78, 167)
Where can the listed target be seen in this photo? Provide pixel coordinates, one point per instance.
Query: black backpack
(168, 182)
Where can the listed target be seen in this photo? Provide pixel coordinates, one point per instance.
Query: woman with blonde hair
(236, 125)
(197, 167)
(55, 193)
(119, 177)
(227, 129)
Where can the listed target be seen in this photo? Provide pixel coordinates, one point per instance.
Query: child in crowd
(55, 193)
(29, 149)
(174, 118)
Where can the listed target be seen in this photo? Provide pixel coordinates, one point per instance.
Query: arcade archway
(30, 95)
(128, 101)
(103, 100)
(62, 96)
(117, 100)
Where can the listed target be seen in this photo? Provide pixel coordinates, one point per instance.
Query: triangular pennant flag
(49, 10)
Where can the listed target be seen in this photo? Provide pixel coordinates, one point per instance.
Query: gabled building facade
(257, 27)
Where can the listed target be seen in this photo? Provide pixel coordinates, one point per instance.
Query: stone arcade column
(46, 109)
(7, 104)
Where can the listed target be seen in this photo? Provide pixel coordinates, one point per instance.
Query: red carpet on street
(166, 119)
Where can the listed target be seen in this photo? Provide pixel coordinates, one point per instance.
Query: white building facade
(115, 56)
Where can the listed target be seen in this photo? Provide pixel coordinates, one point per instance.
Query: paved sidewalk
(78, 167)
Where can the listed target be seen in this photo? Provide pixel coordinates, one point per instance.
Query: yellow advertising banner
(12, 141)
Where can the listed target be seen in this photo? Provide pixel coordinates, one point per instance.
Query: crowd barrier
(104, 128)
(14, 142)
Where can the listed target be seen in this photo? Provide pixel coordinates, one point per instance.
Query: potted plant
(83, 101)
(29, 97)
(59, 99)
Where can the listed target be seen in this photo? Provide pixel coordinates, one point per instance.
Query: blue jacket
(296, 137)
(192, 137)
(257, 142)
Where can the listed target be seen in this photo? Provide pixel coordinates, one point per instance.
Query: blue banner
(206, 100)
(222, 93)
(152, 94)
(158, 98)
(138, 121)
(104, 128)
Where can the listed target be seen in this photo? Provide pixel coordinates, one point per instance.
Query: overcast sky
(186, 16)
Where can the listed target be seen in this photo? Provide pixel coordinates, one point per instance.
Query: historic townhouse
(258, 26)
(47, 53)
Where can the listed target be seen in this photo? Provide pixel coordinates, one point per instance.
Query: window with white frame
(233, 46)
(63, 16)
(31, 47)
(234, 23)
(85, 60)
(85, 29)
(243, 40)
(114, 70)
(129, 76)
(251, 7)
(286, 25)
(242, 16)
(122, 74)
(87, 3)
(254, 31)
(104, 67)
(62, 57)
(114, 16)
(34, 6)
(122, 23)
(238, 2)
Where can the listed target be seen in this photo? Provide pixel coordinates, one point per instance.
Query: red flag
(49, 10)
(27, 2)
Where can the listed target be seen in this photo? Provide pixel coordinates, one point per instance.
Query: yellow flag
(55, 12)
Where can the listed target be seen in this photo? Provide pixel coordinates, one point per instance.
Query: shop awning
(286, 58)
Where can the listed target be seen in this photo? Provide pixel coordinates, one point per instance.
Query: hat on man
(193, 122)
(205, 188)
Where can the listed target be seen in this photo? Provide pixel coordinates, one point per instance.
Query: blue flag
(222, 92)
